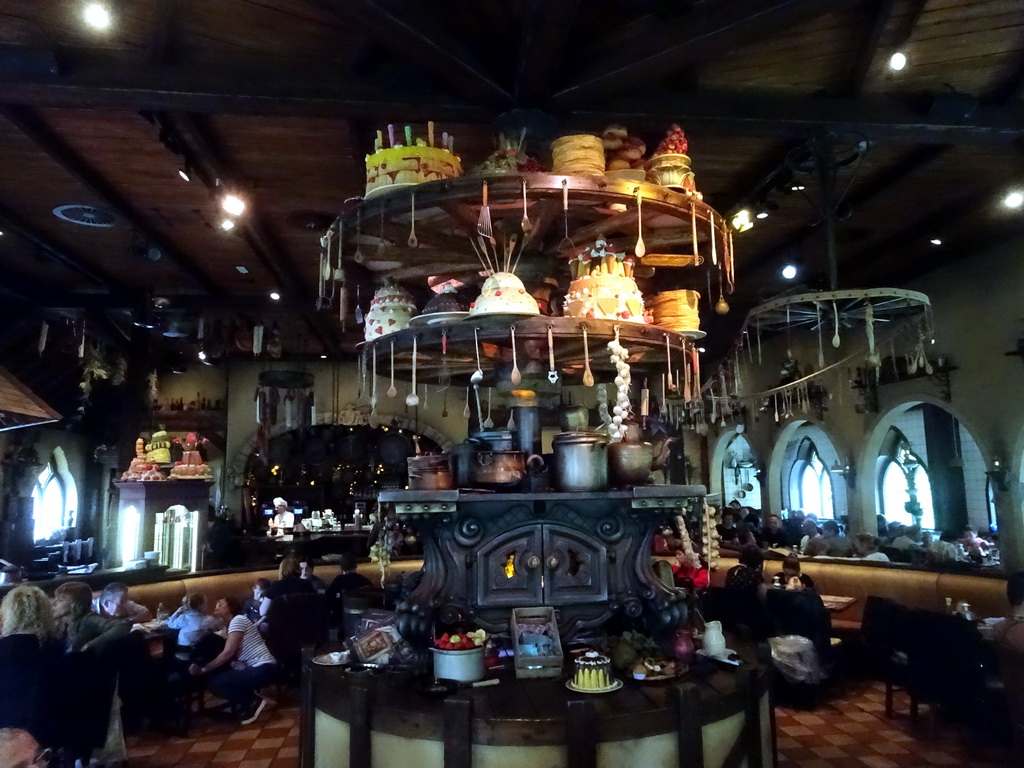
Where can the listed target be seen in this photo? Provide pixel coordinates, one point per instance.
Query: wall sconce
(847, 471)
(997, 475)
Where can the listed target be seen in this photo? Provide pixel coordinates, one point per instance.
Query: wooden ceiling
(280, 100)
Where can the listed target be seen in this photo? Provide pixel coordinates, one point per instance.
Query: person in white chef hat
(283, 517)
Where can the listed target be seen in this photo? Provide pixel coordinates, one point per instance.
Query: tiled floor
(847, 732)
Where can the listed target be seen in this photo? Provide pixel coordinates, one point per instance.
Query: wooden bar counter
(713, 716)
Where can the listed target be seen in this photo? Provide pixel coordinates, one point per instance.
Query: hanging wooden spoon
(391, 390)
(515, 377)
(478, 374)
(373, 389)
(488, 423)
(641, 250)
(413, 242)
(835, 336)
(588, 376)
(465, 411)
(412, 399)
(525, 223)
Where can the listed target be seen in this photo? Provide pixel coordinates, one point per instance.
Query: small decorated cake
(676, 310)
(153, 474)
(139, 463)
(578, 155)
(390, 311)
(622, 151)
(159, 449)
(504, 293)
(670, 165)
(413, 162)
(191, 466)
(603, 286)
(444, 302)
(593, 672)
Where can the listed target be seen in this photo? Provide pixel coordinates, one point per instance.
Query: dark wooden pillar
(946, 475)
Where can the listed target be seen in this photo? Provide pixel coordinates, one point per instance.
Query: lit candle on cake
(430, 132)
(380, 142)
(408, 135)
(391, 135)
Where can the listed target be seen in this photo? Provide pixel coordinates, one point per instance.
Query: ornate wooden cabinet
(588, 554)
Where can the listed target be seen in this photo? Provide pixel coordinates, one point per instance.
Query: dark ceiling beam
(98, 79)
(543, 38)
(709, 32)
(259, 304)
(61, 153)
(413, 40)
(254, 228)
(878, 13)
(59, 252)
(1011, 87)
(160, 48)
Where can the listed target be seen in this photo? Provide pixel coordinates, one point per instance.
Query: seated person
(252, 605)
(727, 528)
(748, 575)
(18, 749)
(686, 574)
(975, 546)
(829, 542)
(192, 621)
(307, 571)
(909, 538)
(744, 537)
(289, 583)
(947, 549)
(283, 518)
(791, 577)
(78, 627)
(1010, 631)
(113, 602)
(243, 667)
(794, 526)
(348, 581)
(808, 531)
(773, 534)
(865, 546)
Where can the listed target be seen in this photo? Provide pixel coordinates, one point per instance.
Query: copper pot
(498, 469)
(429, 473)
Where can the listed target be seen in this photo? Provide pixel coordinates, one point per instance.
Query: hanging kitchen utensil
(488, 423)
(413, 242)
(525, 223)
(364, 393)
(511, 426)
(359, 309)
(515, 377)
(478, 374)
(567, 243)
(479, 409)
(588, 376)
(552, 373)
(444, 404)
(392, 391)
(373, 388)
(640, 250)
(821, 350)
(483, 224)
(465, 411)
(835, 336)
(444, 380)
(412, 399)
(872, 360)
(358, 255)
(668, 365)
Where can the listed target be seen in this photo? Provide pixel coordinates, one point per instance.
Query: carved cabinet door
(575, 566)
(508, 570)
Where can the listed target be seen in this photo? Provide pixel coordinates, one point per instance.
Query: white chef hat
(278, 501)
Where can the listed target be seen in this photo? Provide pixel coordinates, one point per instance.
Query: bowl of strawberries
(460, 656)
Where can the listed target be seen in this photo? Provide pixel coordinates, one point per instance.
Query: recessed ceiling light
(96, 16)
(1, 233)
(798, 188)
(242, 270)
(275, 296)
(897, 61)
(789, 271)
(936, 241)
(700, 349)
(227, 225)
(202, 355)
(762, 214)
(233, 204)
(184, 173)
(323, 357)
(1014, 199)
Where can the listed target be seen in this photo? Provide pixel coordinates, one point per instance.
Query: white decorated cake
(593, 672)
(604, 287)
(504, 293)
(390, 310)
(404, 160)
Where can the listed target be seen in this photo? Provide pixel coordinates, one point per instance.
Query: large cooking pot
(497, 470)
(429, 473)
(495, 439)
(581, 460)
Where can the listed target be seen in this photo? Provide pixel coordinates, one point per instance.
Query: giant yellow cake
(603, 287)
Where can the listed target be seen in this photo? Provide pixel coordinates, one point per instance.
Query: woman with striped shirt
(243, 667)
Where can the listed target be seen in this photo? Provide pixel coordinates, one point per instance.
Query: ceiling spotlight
(700, 349)
(97, 16)
(936, 241)
(202, 355)
(233, 204)
(798, 188)
(275, 296)
(1014, 199)
(897, 61)
(323, 357)
(184, 173)
(789, 271)
(741, 220)
(762, 214)
(227, 224)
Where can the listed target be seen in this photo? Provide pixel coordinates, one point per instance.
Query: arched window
(903, 479)
(810, 486)
(55, 499)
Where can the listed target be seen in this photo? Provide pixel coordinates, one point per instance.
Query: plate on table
(613, 687)
(333, 659)
(683, 669)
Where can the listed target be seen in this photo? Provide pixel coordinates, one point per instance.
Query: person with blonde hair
(78, 627)
(28, 655)
(18, 749)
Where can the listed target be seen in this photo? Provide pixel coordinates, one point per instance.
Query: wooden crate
(536, 666)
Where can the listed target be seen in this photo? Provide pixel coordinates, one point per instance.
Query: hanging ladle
(413, 242)
(588, 376)
(515, 377)
(412, 399)
(478, 374)
(391, 390)
(641, 249)
(488, 423)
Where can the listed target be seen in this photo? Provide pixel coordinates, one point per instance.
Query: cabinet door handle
(553, 562)
(533, 562)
